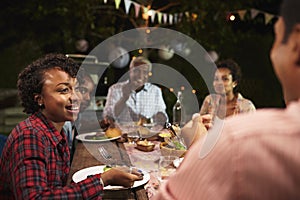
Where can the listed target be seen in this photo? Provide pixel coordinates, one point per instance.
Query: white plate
(84, 173)
(177, 162)
(82, 137)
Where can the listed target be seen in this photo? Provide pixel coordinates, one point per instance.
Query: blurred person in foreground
(225, 102)
(35, 162)
(136, 98)
(257, 154)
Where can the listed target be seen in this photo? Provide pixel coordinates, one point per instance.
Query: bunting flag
(137, 9)
(117, 3)
(159, 17)
(254, 13)
(152, 15)
(268, 18)
(167, 18)
(127, 6)
(242, 13)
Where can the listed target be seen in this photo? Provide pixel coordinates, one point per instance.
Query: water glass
(166, 167)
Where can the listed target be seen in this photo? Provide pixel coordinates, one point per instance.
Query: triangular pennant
(187, 14)
(175, 18)
(137, 9)
(152, 15)
(170, 18)
(165, 18)
(242, 14)
(180, 17)
(159, 17)
(268, 17)
(254, 13)
(127, 5)
(117, 3)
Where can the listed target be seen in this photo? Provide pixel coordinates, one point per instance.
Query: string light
(231, 17)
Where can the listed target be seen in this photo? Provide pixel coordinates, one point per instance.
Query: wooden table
(87, 155)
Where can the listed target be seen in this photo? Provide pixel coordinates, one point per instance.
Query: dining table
(87, 155)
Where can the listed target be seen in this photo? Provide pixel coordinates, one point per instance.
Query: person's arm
(120, 176)
(117, 97)
(121, 103)
(195, 128)
(31, 162)
(205, 105)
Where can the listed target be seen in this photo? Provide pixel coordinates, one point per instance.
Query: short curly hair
(31, 79)
(235, 71)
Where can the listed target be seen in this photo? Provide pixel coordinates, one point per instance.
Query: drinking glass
(132, 131)
(166, 167)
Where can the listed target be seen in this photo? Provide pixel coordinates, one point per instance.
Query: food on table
(179, 146)
(106, 168)
(112, 132)
(165, 134)
(145, 145)
(176, 150)
(97, 136)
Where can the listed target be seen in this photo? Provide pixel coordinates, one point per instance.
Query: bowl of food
(145, 145)
(164, 134)
(176, 149)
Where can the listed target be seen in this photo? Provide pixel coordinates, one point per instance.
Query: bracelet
(100, 179)
(101, 182)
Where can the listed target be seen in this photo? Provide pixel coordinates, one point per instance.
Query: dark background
(30, 29)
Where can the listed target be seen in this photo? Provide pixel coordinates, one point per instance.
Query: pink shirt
(256, 157)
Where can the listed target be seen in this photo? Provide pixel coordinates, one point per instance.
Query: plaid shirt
(147, 102)
(35, 164)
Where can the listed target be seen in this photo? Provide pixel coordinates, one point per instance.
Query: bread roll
(113, 132)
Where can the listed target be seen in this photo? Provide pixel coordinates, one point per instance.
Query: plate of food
(84, 173)
(100, 136)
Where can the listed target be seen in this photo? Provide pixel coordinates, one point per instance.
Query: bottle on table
(178, 110)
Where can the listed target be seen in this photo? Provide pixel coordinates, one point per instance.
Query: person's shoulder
(268, 121)
(243, 100)
(208, 97)
(152, 86)
(118, 84)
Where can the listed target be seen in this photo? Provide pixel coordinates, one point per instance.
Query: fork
(107, 156)
(104, 153)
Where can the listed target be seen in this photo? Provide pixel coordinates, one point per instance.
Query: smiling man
(136, 98)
